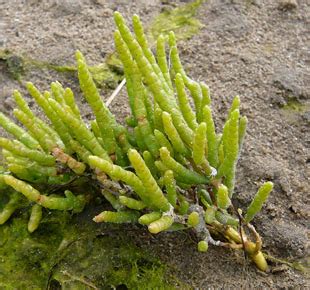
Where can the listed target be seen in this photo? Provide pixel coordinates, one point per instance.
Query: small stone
(286, 5)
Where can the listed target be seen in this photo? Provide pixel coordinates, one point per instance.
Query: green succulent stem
(169, 168)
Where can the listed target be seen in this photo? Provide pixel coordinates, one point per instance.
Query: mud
(254, 48)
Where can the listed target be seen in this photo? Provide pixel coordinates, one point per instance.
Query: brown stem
(252, 249)
(258, 243)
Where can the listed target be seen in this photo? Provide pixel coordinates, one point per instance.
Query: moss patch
(14, 64)
(105, 261)
(294, 110)
(69, 253)
(180, 20)
(106, 74)
(294, 105)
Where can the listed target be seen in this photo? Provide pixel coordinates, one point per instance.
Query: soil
(254, 48)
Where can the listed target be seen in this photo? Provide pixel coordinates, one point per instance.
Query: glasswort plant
(167, 169)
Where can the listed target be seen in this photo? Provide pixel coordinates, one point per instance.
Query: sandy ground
(254, 48)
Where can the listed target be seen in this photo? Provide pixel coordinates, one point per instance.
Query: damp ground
(256, 49)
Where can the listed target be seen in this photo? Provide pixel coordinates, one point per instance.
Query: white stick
(115, 93)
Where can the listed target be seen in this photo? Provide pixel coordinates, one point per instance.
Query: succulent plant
(166, 169)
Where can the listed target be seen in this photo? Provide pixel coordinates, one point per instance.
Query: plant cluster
(167, 168)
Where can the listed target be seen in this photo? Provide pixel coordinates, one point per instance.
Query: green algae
(180, 20)
(108, 73)
(302, 265)
(294, 109)
(14, 64)
(294, 105)
(73, 253)
(24, 258)
(106, 261)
